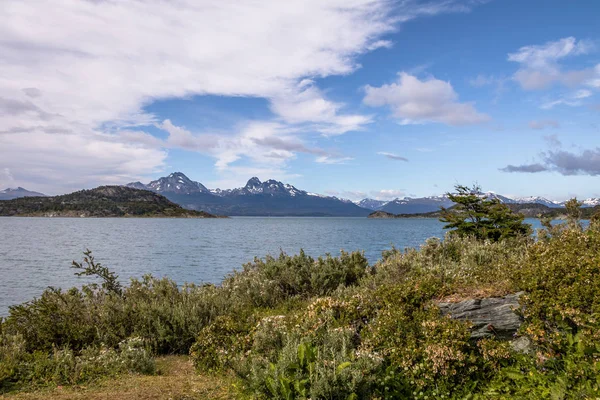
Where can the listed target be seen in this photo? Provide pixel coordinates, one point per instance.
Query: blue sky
(362, 98)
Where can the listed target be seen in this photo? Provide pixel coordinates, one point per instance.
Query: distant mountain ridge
(528, 210)
(409, 205)
(9, 194)
(256, 198)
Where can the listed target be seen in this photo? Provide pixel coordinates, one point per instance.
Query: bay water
(37, 252)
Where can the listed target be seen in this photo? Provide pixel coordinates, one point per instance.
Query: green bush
(20, 368)
(218, 344)
(294, 327)
(573, 375)
(458, 265)
(560, 277)
(334, 369)
(268, 282)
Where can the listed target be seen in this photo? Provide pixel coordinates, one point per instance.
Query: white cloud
(540, 64)
(571, 100)
(76, 72)
(387, 194)
(416, 101)
(332, 159)
(69, 161)
(305, 103)
(582, 94)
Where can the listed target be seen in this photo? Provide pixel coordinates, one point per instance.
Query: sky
(352, 98)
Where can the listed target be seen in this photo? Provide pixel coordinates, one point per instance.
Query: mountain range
(256, 198)
(409, 205)
(274, 198)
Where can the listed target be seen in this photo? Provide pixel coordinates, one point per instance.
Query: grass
(175, 379)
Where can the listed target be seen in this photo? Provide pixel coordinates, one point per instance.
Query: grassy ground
(175, 379)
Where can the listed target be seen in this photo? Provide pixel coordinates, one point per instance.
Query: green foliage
(19, 368)
(423, 351)
(103, 201)
(110, 281)
(334, 369)
(294, 327)
(218, 344)
(455, 265)
(484, 218)
(563, 289)
(268, 282)
(574, 213)
(168, 317)
(575, 375)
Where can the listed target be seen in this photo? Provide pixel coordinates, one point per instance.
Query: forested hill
(103, 201)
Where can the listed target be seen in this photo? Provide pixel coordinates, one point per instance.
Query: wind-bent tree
(484, 217)
(573, 209)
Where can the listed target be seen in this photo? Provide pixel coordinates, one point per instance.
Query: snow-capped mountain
(270, 197)
(9, 194)
(538, 200)
(273, 197)
(176, 182)
(410, 205)
(591, 202)
(503, 199)
(371, 204)
(270, 187)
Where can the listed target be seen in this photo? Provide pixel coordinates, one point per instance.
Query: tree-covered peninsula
(103, 201)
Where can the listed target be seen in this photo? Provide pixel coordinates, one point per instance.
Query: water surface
(37, 252)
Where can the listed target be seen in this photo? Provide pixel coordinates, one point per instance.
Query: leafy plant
(110, 281)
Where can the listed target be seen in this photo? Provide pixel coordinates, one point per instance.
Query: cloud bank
(540, 67)
(416, 101)
(77, 77)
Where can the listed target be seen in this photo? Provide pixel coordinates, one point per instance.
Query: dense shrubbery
(65, 366)
(165, 316)
(292, 327)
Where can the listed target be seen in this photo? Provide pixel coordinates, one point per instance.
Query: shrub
(457, 265)
(560, 277)
(332, 370)
(20, 368)
(218, 344)
(266, 283)
(575, 375)
(423, 351)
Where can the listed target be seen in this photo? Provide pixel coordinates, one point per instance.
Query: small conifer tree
(478, 215)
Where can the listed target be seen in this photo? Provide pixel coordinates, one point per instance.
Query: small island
(103, 201)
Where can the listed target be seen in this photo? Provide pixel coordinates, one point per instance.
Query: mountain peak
(12, 193)
(253, 182)
(176, 182)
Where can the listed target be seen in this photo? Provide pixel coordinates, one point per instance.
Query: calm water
(37, 252)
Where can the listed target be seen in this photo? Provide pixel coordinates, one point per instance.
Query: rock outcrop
(491, 317)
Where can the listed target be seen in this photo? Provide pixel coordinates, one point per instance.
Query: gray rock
(522, 344)
(491, 317)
